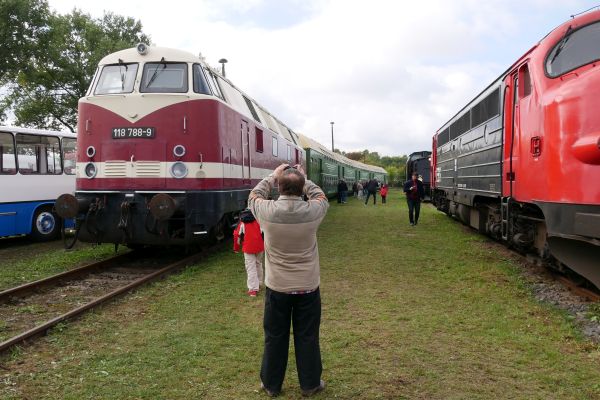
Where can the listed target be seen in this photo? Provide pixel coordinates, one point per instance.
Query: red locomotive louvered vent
(536, 146)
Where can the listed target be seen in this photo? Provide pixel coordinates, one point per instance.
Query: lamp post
(332, 147)
(223, 61)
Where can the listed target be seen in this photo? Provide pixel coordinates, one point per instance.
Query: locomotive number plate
(137, 132)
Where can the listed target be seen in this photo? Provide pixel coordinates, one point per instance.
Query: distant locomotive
(420, 162)
(169, 150)
(521, 161)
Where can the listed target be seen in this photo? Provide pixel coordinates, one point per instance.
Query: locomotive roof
(153, 54)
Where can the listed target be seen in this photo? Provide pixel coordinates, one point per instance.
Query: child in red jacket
(249, 235)
(384, 192)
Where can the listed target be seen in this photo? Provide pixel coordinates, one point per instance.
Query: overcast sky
(388, 73)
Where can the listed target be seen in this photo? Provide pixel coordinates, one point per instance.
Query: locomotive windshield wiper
(154, 75)
(561, 44)
(122, 64)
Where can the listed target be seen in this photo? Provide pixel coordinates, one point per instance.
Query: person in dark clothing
(342, 189)
(355, 189)
(414, 194)
(372, 186)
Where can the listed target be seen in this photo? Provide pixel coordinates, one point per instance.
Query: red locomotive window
(259, 140)
(163, 77)
(524, 81)
(575, 49)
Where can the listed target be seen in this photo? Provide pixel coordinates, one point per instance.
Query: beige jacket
(290, 225)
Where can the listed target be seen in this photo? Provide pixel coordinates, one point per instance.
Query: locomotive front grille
(115, 169)
(146, 169)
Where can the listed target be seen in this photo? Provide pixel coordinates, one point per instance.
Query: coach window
(8, 163)
(38, 154)
(574, 50)
(69, 147)
(259, 140)
(163, 77)
(274, 142)
(115, 79)
(200, 83)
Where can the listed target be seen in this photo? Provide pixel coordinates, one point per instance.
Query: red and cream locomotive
(168, 150)
(521, 161)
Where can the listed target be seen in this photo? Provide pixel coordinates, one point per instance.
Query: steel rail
(43, 328)
(27, 288)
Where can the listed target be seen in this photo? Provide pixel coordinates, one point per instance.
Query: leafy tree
(46, 89)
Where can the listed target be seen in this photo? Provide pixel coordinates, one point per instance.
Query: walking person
(249, 236)
(355, 189)
(359, 190)
(372, 186)
(292, 276)
(414, 194)
(383, 192)
(342, 189)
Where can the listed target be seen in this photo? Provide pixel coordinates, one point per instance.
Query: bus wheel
(45, 225)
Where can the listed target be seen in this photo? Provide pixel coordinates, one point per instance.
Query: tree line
(49, 59)
(394, 165)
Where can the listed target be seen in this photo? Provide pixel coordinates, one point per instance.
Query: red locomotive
(521, 161)
(169, 150)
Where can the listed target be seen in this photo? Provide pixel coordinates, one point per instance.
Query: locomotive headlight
(179, 170)
(179, 150)
(142, 49)
(90, 151)
(90, 170)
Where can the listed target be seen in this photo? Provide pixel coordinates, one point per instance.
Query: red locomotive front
(521, 162)
(169, 150)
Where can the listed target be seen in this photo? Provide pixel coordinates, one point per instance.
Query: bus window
(38, 154)
(8, 163)
(69, 155)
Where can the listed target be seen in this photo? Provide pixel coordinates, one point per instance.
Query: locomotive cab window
(259, 140)
(162, 77)
(200, 83)
(115, 79)
(8, 163)
(575, 49)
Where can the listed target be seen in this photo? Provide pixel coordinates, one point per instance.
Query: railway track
(30, 310)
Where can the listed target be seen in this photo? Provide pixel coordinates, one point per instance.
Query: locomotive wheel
(45, 225)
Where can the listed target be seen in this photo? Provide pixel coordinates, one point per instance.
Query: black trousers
(374, 194)
(303, 311)
(414, 206)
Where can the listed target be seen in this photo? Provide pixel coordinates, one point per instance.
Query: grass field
(427, 312)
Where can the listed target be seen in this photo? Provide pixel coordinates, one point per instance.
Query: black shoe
(312, 392)
(269, 393)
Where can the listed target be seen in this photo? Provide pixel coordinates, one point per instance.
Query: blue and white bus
(36, 166)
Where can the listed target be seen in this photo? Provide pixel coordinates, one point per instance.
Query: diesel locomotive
(521, 161)
(169, 150)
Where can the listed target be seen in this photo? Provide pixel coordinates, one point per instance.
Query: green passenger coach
(326, 168)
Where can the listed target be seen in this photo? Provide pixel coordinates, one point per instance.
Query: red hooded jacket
(249, 235)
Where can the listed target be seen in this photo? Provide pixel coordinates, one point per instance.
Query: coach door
(245, 140)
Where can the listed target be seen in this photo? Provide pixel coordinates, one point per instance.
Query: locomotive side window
(574, 50)
(252, 109)
(274, 142)
(164, 77)
(200, 83)
(118, 78)
(69, 147)
(486, 109)
(8, 163)
(259, 140)
(214, 85)
(289, 152)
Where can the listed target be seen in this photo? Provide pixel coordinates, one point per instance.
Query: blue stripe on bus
(17, 218)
